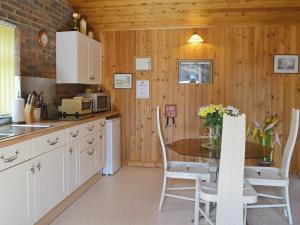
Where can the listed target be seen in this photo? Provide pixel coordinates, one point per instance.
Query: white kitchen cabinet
(87, 163)
(49, 180)
(72, 158)
(95, 61)
(78, 58)
(101, 150)
(17, 201)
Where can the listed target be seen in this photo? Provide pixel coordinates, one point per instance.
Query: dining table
(201, 147)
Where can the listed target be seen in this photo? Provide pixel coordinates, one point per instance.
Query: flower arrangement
(265, 134)
(213, 118)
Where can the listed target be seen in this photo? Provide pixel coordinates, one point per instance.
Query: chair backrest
(231, 171)
(290, 144)
(162, 143)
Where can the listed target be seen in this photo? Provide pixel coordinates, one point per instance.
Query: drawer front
(87, 142)
(49, 142)
(101, 124)
(88, 128)
(73, 134)
(87, 164)
(15, 154)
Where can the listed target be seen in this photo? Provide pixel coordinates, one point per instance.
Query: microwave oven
(100, 101)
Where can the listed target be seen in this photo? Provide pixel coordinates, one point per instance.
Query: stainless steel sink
(2, 136)
(18, 129)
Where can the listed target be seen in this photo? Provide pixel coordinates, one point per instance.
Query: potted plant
(213, 118)
(265, 135)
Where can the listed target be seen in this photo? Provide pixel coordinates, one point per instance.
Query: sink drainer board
(12, 130)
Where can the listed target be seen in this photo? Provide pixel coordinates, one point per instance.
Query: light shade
(195, 38)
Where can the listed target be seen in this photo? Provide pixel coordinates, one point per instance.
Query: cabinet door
(49, 180)
(72, 157)
(87, 163)
(16, 195)
(83, 59)
(101, 152)
(95, 61)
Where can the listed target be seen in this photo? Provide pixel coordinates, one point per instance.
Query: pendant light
(195, 38)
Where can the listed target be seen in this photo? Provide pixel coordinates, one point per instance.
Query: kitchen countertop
(56, 125)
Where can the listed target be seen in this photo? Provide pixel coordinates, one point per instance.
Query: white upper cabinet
(78, 58)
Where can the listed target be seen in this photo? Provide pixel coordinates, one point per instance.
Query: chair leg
(283, 197)
(288, 206)
(245, 214)
(207, 209)
(197, 202)
(163, 191)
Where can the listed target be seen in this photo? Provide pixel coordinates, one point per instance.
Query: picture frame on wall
(122, 80)
(143, 63)
(288, 64)
(197, 71)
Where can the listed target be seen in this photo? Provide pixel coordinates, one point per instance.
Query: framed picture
(286, 63)
(143, 63)
(195, 71)
(123, 80)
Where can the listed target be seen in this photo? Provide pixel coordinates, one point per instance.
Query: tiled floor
(131, 198)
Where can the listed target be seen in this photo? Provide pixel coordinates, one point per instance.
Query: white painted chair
(277, 177)
(231, 193)
(179, 170)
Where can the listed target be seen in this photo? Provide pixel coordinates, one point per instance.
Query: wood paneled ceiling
(143, 14)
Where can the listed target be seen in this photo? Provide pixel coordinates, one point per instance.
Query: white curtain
(7, 68)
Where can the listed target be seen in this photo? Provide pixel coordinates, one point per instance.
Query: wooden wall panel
(242, 76)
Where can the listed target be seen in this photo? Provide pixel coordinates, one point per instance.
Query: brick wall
(31, 16)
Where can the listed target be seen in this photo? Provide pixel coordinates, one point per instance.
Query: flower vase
(265, 161)
(216, 136)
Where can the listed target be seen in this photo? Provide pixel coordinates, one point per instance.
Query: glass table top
(194, 147)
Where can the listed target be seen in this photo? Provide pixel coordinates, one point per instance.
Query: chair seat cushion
(189, 170)
(209, 192)
(264, 176)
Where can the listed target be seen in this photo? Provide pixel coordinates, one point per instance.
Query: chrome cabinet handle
(90, 128)
(90, 141)
(91, 152)
(39, 166)
(32, 169)
(74, 134)
(53, 142)
(11, 158)
(71, 150)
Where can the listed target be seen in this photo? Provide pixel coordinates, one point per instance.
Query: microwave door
(102, 103)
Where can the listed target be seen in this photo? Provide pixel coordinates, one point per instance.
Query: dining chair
(179, 170)
(277, 177)
(231, 194)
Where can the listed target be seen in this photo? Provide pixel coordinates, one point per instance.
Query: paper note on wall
(142, 89)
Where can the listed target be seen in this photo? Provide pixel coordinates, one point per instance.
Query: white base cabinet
(101, 152)
(87, 163)
(37, 175)
(72, 161)
(49, 180)
(16, 204)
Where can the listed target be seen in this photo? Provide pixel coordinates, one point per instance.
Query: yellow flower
(202, 113)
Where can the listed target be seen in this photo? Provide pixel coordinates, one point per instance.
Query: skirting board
(56, 211)
(142, 164)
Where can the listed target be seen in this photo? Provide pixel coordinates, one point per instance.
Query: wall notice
(142, 89)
